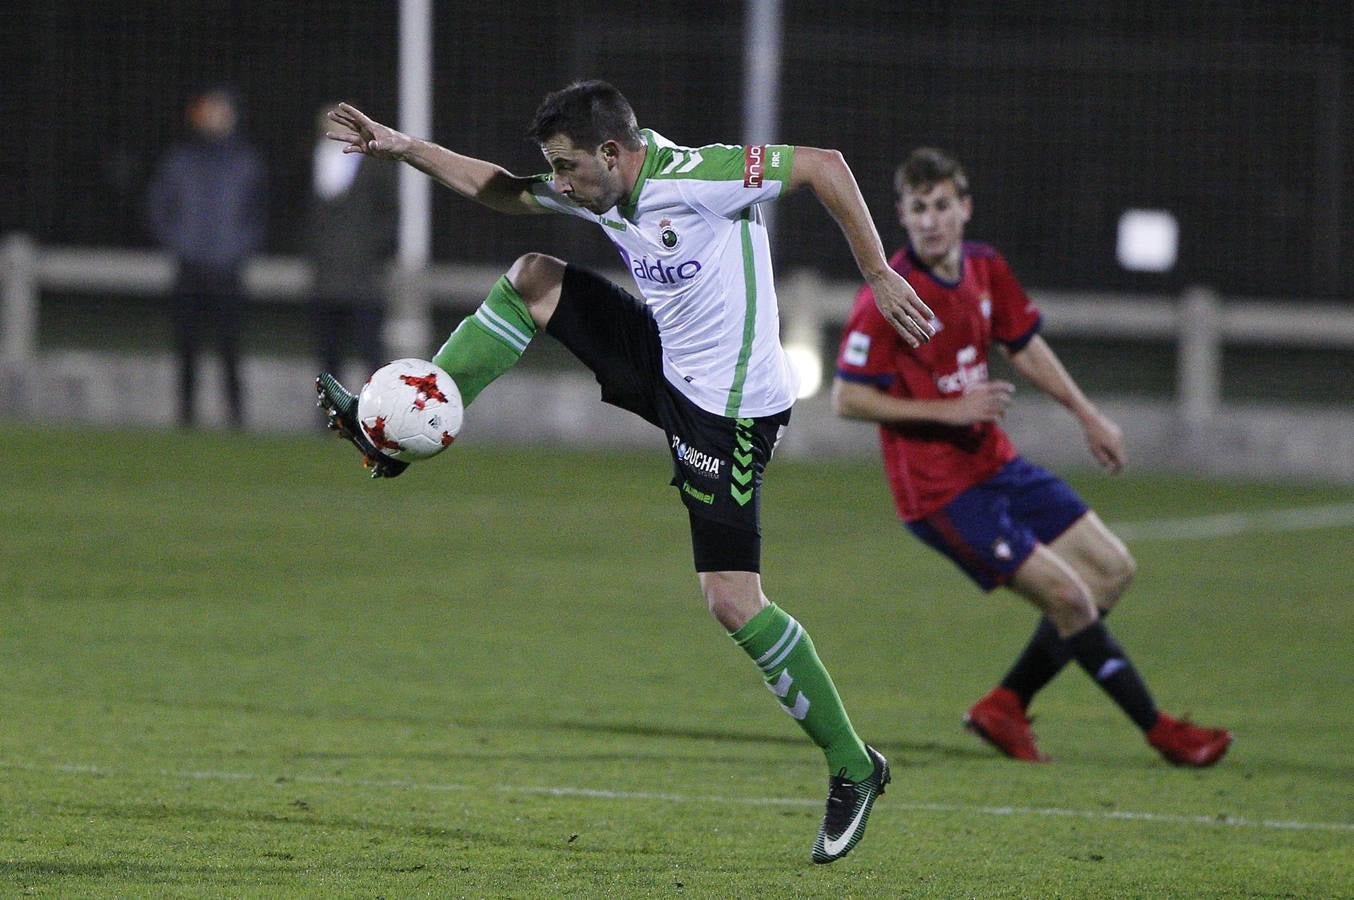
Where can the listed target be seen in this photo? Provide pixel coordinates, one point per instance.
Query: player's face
(591, 178)
(213, 115)
(934, 216)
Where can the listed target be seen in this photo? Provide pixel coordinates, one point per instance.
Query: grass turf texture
(235, 666)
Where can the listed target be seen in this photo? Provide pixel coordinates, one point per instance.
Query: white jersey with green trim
(693, 239)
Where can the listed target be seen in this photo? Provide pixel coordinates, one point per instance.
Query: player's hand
(1106, 441)
(902, 308)
(363, 134)
(985, 402)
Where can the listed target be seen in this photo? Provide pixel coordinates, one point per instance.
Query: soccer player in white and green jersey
(697, 354)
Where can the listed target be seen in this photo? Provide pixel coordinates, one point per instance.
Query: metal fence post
(18, 298)
(1199, 356)
(408, 327)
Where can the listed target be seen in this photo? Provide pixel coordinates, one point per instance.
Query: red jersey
(929, 464)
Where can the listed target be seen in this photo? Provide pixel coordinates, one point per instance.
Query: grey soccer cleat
(340, 408)
(848, 809)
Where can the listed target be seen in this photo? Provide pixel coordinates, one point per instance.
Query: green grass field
(235, 667)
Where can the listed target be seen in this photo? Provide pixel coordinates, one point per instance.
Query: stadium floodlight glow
(808, 364)
(1149, 240)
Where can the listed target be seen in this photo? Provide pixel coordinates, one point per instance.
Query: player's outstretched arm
(476, 179)
(826, 173)
(1037, 362)
(985, 402)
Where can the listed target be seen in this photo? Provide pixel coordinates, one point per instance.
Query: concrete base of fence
(78, 387)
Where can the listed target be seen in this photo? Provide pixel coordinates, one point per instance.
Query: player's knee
(730, 600)
(1070, 605)
(536, 276)
(1124, 571)
(1117, 578)
(724, 606)
(724, 609)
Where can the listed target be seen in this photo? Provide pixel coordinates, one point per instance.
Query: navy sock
(1097, 652)
(1042, 659)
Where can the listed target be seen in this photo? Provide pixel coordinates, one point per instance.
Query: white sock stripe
(506, 325)
(505, 337)
(790, 627)
(1110, 667)
(794, 642)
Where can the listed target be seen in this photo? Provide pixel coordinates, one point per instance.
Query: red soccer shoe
(1182, 742)
(999, 719)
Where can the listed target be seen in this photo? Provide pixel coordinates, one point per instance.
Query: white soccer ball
(410, 409)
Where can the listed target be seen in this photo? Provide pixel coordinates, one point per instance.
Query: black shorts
(718, 462)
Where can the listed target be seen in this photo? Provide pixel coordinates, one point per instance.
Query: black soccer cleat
(340, 409)
(848, 809)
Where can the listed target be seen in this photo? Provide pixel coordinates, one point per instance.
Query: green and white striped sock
(781, 648)
(488, 342)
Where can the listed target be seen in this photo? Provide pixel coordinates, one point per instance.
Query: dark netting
(1234, 117)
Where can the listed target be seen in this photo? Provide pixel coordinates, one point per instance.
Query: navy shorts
(991, 529)
(718, 462)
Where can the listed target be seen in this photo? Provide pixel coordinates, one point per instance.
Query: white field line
(1231, 524)
(653, 797)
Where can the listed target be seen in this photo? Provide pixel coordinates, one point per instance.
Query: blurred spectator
(206, 207)
(349, 236)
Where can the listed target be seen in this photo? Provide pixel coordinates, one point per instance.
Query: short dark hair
(928, 165)
(588, 113)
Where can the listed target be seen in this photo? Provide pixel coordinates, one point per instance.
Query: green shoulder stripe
(726, 162)
(714, 162)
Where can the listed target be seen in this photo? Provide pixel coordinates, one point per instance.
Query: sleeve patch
(754, 159)
(857, 351)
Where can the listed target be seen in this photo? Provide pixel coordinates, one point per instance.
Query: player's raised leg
(492, 339)
(485, 345)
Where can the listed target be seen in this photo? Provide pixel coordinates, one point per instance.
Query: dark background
(1237, 117)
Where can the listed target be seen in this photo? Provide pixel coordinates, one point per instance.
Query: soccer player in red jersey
(959, 484)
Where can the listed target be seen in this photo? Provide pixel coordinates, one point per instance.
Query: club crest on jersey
(667, 235)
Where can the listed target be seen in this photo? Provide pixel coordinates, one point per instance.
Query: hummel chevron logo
(740, 473)
(782, 689)
(682, 162)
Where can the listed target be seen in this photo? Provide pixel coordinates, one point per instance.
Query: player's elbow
(834, 166)
(817, 167)
(843, 400)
